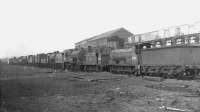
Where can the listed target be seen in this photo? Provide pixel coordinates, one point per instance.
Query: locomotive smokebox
(124, 56)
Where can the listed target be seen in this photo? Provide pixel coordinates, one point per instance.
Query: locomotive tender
(173, 57)
(174, 60)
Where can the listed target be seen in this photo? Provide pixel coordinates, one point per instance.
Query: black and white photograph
(99, 56)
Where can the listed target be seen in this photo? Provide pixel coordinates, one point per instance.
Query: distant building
(115, 39)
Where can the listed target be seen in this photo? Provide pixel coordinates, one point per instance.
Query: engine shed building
(116, 39)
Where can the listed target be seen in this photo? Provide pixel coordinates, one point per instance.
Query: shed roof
(107, 34)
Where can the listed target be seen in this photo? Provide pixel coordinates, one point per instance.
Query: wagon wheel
(197, 76)
(192, 74)
(164, 76)
(181, 75)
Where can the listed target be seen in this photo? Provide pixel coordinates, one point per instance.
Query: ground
(31, 89)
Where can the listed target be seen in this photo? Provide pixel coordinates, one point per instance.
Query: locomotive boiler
(123, 61)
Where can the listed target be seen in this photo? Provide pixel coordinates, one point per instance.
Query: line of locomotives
(173, 57)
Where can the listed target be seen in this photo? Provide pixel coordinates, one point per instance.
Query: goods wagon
(59, 61)
(36, 60)
(51, 60)
(23, 60)
(67, 58)
(174, 61)
(123, 61)
(13, 61)
(42, 60)
(78, 56)
(55, 60)
(31, 60)
(77, 60)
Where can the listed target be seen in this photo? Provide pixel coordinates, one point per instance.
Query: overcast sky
(36, 26)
